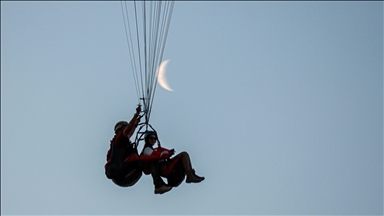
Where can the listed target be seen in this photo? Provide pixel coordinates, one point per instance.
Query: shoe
(162, 189)
(200, 177)
(193, 178)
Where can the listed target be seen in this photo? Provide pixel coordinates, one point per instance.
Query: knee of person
(184, 153)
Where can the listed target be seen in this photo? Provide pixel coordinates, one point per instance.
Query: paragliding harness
(122, 169)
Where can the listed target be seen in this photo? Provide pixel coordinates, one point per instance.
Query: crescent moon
(161, 76)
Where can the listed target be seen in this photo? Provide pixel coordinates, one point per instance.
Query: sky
(279, 104)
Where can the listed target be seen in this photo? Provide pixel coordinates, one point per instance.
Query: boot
(200, 177)
(192, 177)
(162, 189)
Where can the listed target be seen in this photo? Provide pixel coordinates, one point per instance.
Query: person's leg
(191, 175)
(155, 172)
(160, 186)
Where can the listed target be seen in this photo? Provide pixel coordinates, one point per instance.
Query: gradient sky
(280, 105)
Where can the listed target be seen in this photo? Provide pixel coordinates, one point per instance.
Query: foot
(193, 178)
(162, 189)
(200, 177)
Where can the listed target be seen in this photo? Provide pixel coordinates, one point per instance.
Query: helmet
(120, 124)
(148, 133)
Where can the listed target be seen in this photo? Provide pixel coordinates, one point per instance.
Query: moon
(161, 76)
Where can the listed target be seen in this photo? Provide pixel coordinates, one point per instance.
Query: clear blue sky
(280, 105)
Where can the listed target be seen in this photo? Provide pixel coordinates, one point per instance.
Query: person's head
(150, 137)
(120, 125)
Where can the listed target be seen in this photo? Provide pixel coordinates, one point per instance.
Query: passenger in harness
(151, 165)
(122, 158)
(174, 169)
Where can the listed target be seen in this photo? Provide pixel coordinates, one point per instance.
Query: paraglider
(122, 165)
(146, 27)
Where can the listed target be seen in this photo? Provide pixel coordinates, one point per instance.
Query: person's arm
(130, 128)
